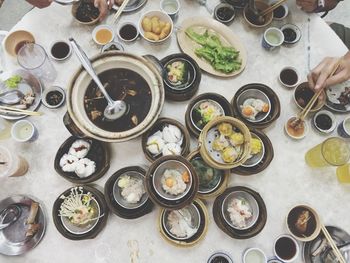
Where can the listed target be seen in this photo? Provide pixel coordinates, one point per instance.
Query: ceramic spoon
(115, 109)
(11, 97)
(9, 215)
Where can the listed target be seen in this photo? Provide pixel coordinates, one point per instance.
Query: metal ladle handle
(85, 61)
(12, 212)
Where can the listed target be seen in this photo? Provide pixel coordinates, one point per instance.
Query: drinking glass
(11, 164)
(33, 58)
(332, 152)
(343, 173)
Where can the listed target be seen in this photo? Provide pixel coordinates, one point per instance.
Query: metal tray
(133, 5)
(12, 239)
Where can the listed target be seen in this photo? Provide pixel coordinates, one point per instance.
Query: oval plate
(227, 37)
(332, 95)
(29, 83)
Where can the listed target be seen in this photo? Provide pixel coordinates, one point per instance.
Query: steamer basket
(205, 152)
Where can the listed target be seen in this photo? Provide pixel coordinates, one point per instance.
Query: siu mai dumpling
(225, 128)
(229, 155)
(220, 143)
(236, 139)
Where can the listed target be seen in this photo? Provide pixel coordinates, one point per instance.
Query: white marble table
(286, 182)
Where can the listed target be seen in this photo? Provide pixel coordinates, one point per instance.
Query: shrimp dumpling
(229, 155)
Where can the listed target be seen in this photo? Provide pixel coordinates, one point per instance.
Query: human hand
(320, 77)
(103, 6)
(40, 3)
(307, 5)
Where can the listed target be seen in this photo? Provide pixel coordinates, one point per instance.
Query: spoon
(115, 109)
(9, 215)
(11, 97)
(187, 217)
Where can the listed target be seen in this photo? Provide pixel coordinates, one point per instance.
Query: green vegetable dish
(12, 83)
(224, 59)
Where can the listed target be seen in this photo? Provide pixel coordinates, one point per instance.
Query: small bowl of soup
(103, 34)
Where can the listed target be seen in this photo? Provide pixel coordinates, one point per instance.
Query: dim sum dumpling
(171, 133)
(155, 144)
(225, 128)
(68, 162)
(171, 149)
(236, 138)
(85, 167)
(220, 143)
(79, 148)
(229, 155)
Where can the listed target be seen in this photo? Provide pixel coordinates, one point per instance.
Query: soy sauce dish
(224, 13)
(324, 121)
(53, 97)
(292, 33)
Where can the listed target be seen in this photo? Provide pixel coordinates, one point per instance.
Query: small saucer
(292, 33)
(53, 97)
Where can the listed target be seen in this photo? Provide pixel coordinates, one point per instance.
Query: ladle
(115, 109)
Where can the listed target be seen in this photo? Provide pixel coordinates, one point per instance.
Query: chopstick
(120, 10)
(314, 98)
(271, 8)
(333, 245)
(12, 110)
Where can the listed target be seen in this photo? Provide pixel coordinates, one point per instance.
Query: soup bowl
(80, 112)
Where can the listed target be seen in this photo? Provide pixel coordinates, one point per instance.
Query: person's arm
(319, 76)
(103, 6)
(40, 3)
(311, 6)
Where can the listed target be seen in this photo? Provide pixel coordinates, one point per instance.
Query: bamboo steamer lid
(204, 151)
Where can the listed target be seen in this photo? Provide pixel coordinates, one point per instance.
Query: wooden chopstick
(314, 98)
(333, 245)
(120, 10)
(6, 109)
(271, 8)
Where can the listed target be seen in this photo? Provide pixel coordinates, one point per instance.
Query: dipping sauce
(295, 128)
(285, 248)
(289, 35)
(121, 84)
(304, 95)
(279, 12)
(252, 18)
(289, 77)
(54, 97)
(60, 50)
(324, 122)
(128, 32)
(104, 36)
(273, 38)
(225, 13)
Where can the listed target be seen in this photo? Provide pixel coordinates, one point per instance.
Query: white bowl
(287, 85)
(256, 250)
(306, 130)
(329, 114)
(286, 12)
(96, 29)
(163, 17)
(17, 131)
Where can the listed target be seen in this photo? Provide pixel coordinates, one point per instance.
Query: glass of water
(33, 58)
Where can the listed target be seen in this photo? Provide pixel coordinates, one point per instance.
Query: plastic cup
(332, 152)
(11, 164)
(33, 58)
